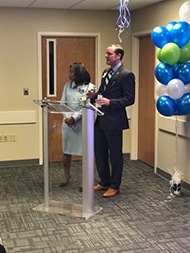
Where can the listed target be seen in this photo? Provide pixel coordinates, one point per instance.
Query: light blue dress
(72, 137)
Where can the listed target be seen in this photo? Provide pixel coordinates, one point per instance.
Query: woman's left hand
(70, 121)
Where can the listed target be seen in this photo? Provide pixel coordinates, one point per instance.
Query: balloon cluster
(173, 71)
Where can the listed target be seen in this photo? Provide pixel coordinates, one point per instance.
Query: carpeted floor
(143, 218)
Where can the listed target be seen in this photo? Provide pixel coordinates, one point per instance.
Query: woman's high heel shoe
(63, 184)
(80, 188)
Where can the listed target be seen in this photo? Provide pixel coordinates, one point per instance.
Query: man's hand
(103, 101)
(90, 93)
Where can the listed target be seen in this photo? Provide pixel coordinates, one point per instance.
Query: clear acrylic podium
(87, 208)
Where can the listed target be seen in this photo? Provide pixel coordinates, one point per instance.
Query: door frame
(39, 67)
(134, 108)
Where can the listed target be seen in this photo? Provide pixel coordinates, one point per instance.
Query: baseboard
(27, 162)
(16, 163)
(126, 155)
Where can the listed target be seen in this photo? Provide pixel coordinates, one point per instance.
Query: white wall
(19, 68)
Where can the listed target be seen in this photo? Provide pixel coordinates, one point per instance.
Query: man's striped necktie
(108, 76)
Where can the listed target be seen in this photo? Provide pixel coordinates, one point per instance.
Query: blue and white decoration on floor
(173, 75)
(124, 18)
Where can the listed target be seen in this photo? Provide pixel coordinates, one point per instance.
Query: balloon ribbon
(124, 18)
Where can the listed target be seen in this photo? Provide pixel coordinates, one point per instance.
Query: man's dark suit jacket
(2, 249)
(121, 92)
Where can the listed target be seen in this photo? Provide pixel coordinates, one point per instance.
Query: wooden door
(146, 115)
(64, 51)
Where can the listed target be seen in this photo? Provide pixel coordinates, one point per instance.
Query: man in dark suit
(2, 248)
(118, 91)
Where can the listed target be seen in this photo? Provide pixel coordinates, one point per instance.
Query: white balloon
(160, 89)
(187, 88)
(175, 88)
(184, 12)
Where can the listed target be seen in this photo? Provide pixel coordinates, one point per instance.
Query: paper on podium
(60, 107)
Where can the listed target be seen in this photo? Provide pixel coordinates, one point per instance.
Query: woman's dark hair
(80, 72)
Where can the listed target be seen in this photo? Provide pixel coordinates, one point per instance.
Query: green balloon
(171, 53)
(158, 54)
(185, 53)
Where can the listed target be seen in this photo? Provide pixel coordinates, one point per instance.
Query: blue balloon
(166, 106)
(176, 66)
(170, 25)
(164, 73)
(183, 72)
(180, 33)
(183, 105)
(160, 36)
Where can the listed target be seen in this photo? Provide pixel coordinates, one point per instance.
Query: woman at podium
(74, 92)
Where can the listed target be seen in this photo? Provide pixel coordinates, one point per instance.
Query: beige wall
(19, 68)
(170, 149)
(156, 15)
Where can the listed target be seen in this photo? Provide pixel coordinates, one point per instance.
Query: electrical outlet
(25, 91)
(1, 138)
(12, 137)
(5, 138)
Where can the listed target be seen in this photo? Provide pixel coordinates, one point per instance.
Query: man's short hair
(118, 50)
